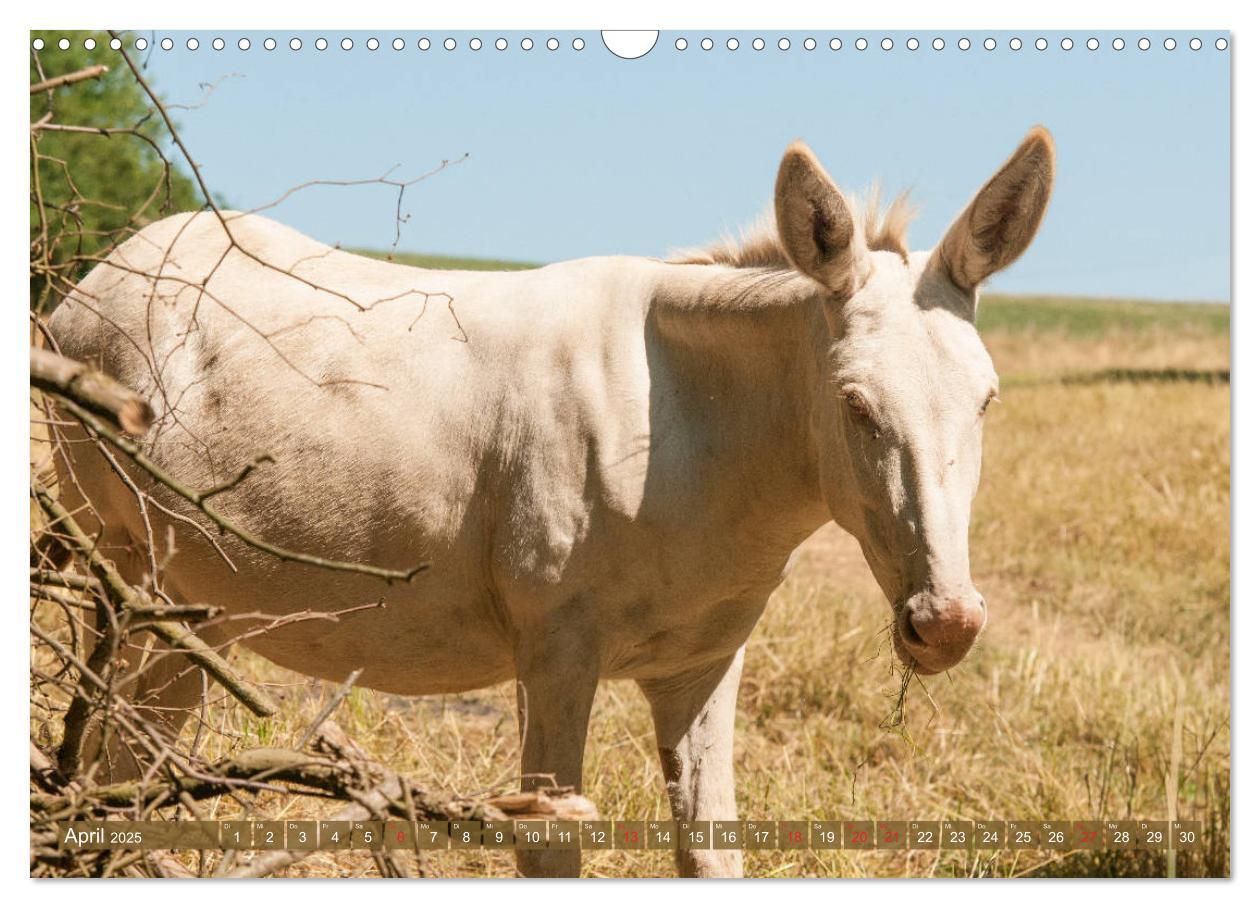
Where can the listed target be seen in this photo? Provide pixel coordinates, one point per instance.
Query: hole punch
(242, 44)
(1066, 44)
(938, 44)
(835, 44)
(631, 45)
(1170, 44)
(166, 44)
(398, 44)
(758, 44)
(1092, 44)
(680, 44)
(706, 44)
(90, 43)
(474, 44)
(1117, 44)
(578, 44)
(860, 44)
(424, 44)
(500, 44)
(732, 44)
(1016, 44)
(810, 44)
(217, 44)
(886, 44)
(964, 44)
(295, 44)
(1041, 44)
(321, 44)
(912, 44)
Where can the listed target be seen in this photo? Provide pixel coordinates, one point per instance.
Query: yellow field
(1100, 689)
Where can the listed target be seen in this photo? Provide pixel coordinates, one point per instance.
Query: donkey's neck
(743, 351)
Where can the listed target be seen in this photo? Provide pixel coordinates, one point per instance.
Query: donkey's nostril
(908, 632)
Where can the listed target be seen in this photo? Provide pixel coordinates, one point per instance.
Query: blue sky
(575, 153)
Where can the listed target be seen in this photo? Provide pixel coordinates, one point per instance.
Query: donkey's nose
(944, 623)
(938, 631)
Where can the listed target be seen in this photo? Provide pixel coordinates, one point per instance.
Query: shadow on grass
(1129, 376)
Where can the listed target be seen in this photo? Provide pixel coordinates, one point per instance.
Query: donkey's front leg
(695, 731)
(557, 674)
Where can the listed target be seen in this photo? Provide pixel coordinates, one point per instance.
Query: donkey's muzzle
(935, 632)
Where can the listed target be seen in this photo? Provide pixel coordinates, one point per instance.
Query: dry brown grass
(1101, 540)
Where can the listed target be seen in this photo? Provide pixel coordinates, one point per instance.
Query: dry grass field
(1101, 540)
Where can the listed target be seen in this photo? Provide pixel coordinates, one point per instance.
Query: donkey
(607, 463)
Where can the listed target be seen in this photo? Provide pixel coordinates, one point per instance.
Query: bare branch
(82, 75)
(94, 391)
(123, 597)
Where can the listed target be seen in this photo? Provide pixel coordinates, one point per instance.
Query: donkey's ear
(815, 224)
(1003, 218)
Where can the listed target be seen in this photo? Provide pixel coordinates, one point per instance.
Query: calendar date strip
(633, 835)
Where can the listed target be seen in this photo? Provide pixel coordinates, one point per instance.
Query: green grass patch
(1089, 317)
(445, 262)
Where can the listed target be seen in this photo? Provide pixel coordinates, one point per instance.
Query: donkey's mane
(758, 246)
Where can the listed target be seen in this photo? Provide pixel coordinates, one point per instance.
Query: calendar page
(709, 452)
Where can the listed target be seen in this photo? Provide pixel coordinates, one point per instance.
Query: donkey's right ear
(816, 226)
(1003, 218)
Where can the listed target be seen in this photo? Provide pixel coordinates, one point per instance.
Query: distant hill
(1088, 316)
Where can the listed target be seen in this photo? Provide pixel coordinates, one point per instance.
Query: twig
(341, 694)
(82, 75)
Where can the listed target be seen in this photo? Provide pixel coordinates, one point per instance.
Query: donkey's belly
(438, 633)
(409, 658)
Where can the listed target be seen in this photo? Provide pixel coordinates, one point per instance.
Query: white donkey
(608, 463)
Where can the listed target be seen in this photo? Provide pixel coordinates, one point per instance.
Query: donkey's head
(907, 384)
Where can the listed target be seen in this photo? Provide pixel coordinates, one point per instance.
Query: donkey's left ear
(816, 226)
(1003, 218)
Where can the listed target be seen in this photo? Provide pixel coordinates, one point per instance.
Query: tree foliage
(91, 190)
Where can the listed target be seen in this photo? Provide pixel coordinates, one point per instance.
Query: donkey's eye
(857, 405)
(984, 407)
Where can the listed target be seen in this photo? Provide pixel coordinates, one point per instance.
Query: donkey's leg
(164, 696)
(694, 715)
(557, 674)
(166, 687)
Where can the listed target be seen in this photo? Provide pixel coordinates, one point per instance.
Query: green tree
(91, 190)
